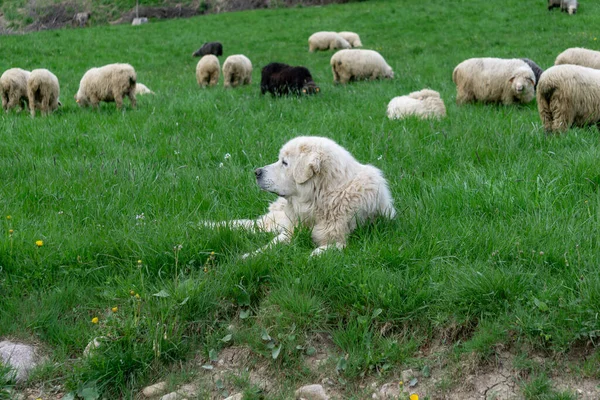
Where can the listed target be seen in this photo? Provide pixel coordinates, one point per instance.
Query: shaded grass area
(497, 231)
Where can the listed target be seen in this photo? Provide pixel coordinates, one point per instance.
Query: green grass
(495, 241)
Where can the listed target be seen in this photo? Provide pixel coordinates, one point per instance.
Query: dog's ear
(307, 166)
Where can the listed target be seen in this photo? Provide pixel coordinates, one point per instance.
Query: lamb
(13, 88)
(214, 48)
(237, 70)
(494, 80)
(359, 64)
(569, 6)
(43, 91)
(579, 56)
(140, 88)
(326, 41)
(537, 71)
(208, 70)
(282, 79)
(351, 38)
(425, 103)
(569, 95)
(109, 83)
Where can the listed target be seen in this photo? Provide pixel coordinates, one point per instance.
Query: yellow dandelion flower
(139, 262)
(137, 295)
(39, 243)
(400, 383)
(10, 231)
(95, 320)
(8, 217)
(115, 309)
(131, 293)
(414, 396)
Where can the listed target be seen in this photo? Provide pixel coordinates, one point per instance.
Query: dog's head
(299, 162)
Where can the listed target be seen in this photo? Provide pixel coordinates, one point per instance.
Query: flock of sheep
(40, 88)
(568, 94)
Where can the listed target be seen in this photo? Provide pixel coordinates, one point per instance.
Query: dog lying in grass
(320, 185)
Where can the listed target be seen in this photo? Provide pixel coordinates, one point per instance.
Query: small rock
(328, 382)
(389, 391)
(139, 21)
(22, 358)
(312, 392)
(407, 375)
(188, 390)
(154, 390)
(169, 396)
(237, 396)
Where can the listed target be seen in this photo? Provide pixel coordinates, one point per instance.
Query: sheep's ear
(308, 165)
(511, 79)
(532, 81)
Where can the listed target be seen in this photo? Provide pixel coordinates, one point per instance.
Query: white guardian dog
(321, 186)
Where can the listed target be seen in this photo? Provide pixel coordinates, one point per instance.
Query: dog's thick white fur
(321, 186)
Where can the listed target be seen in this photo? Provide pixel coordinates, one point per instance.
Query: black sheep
(281, 79)
(215, 48)
(537, 71)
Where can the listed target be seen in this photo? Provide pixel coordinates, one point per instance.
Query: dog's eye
(284, 163)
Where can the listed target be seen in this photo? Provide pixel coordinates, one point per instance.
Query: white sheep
(569, 95)
(569, 6)
(13, 88)
(43, 91)
(237, 70)
(494, 80)
(359, 64)
(140, 88)
(208, 70)
(579, 56)
(425, 103)
(351, 38)
(326, 41)
(109, 83)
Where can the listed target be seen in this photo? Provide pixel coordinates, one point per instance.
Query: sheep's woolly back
(109, 83)
(569, 95)
(352, 64)
(494, 80)
(327, 41)
(351, 38)
(579, 56)
(208, 70)
(13, 88)
(43, 91)
(425, 103)
(237, 70)
(140, 88)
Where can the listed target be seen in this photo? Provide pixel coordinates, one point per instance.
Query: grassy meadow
(495, 243)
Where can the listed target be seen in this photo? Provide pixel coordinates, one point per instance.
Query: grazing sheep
(214, 48)
(569, 95)
(81, 19)
(351, 38)
(425, 103)
(579, 56)
(494, 80)
(569, 6)
(109, 83)
(140, 88)
(13, 87)
(208, 70)
(281, 79)
(237, 70)
(326, 41)
(537, 71)
(43, 91)
(359, 64)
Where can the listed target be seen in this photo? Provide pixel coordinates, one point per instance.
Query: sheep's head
(522, 83)
(310, 87)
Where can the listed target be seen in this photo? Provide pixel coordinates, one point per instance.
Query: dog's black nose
(258, 172)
